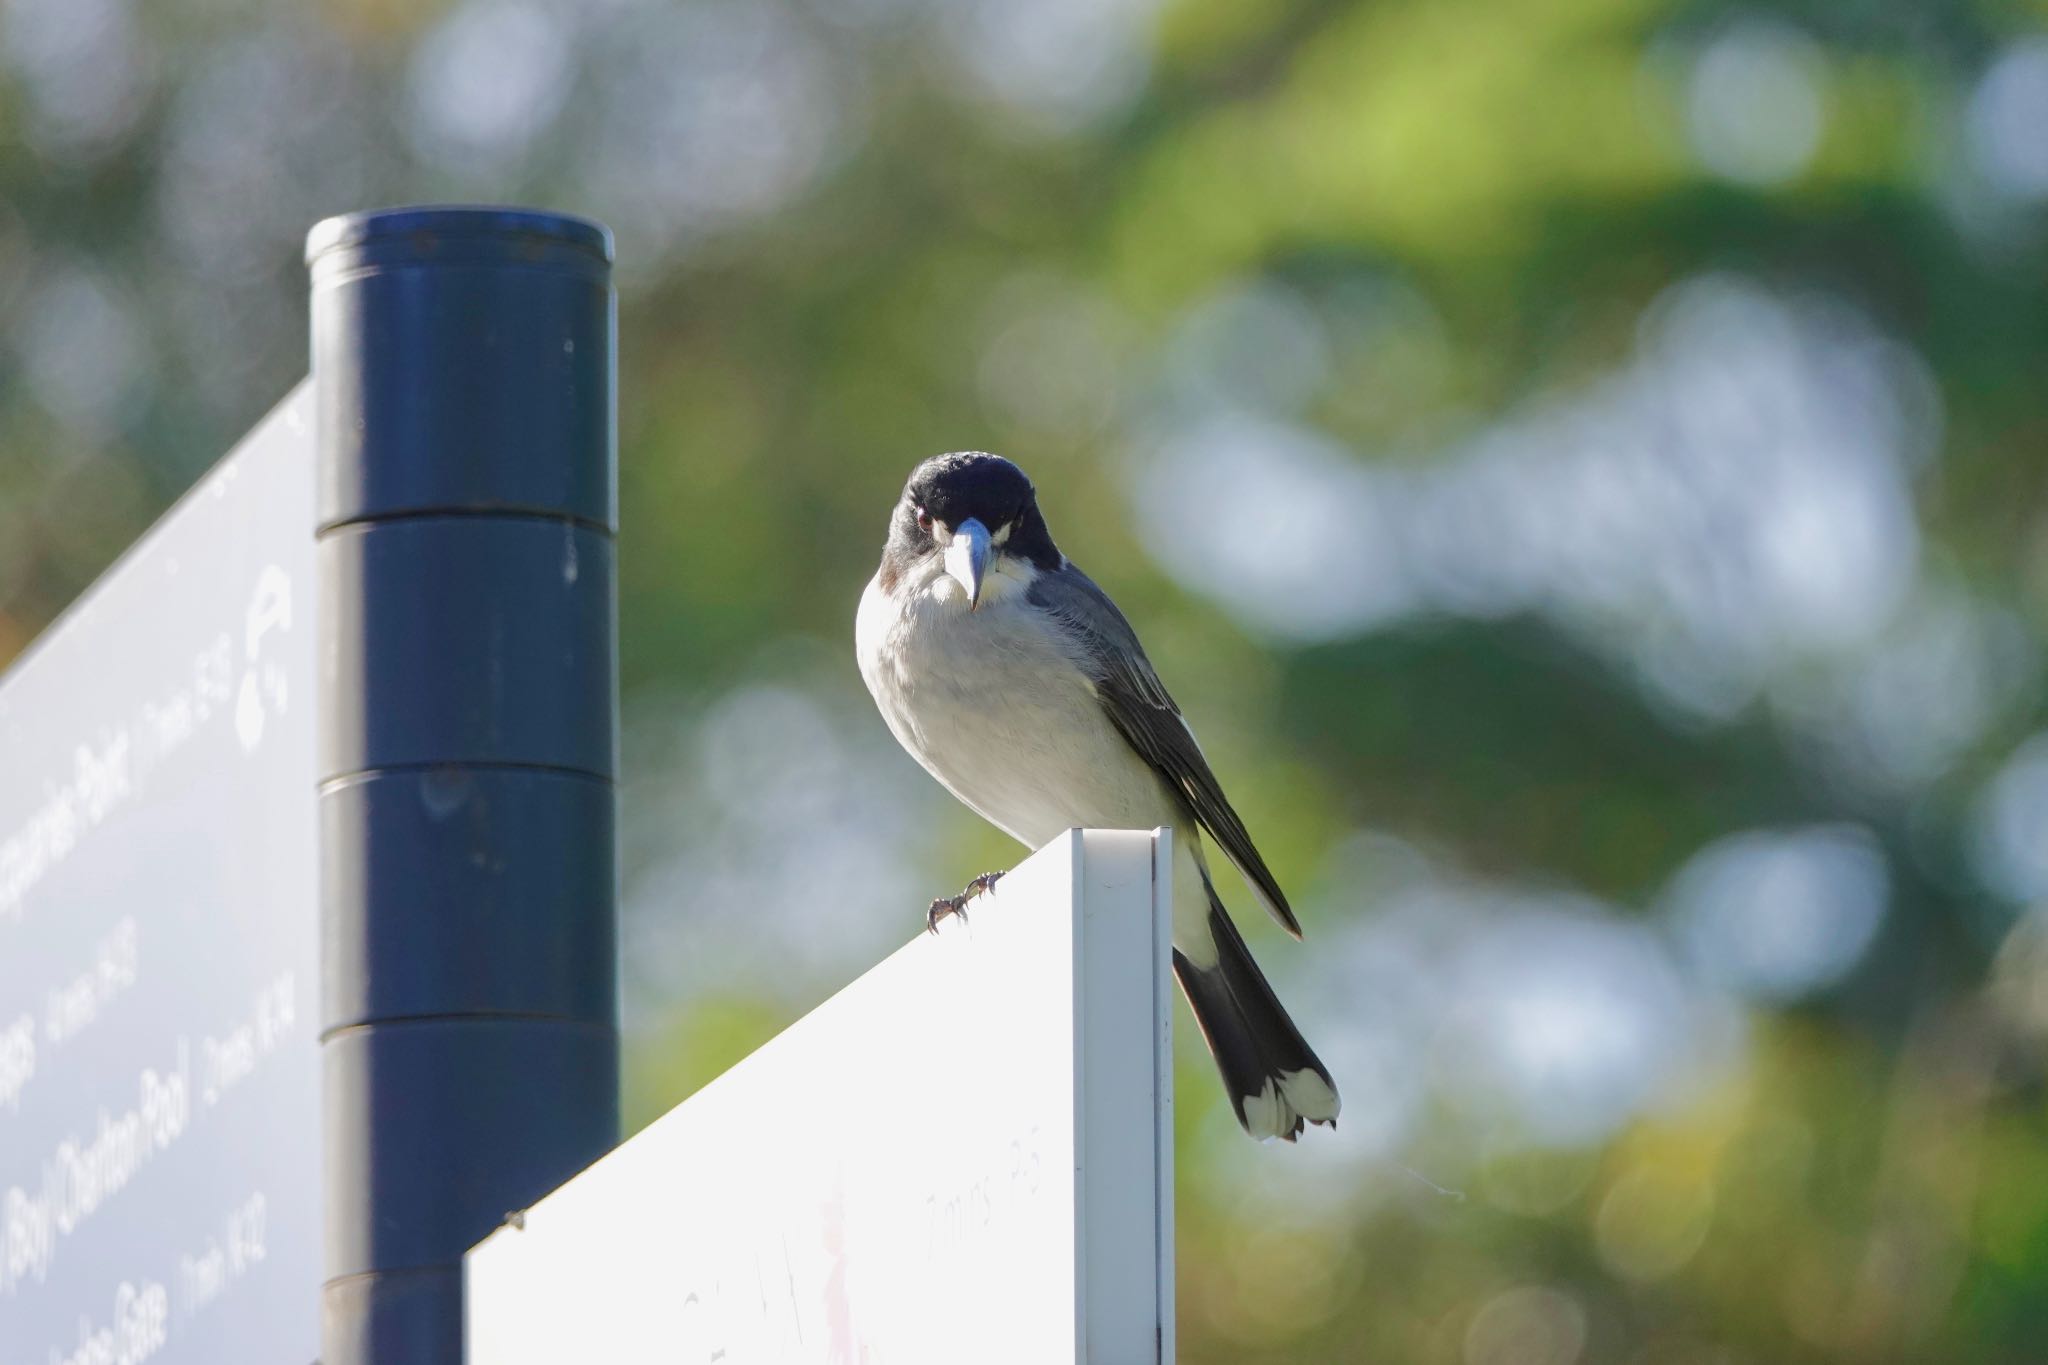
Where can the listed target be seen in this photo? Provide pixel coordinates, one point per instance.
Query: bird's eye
(924, 520)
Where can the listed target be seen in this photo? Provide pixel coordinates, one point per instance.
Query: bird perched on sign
(1017, 683)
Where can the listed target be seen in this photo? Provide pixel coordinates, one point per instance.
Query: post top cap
(426, 228)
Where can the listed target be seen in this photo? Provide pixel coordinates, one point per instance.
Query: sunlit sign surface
(966, 1155)
(159, 1065)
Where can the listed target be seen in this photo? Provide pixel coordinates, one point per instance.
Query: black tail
(1274, 1079)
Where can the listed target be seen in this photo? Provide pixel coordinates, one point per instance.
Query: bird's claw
(943, 906)
(957, 905)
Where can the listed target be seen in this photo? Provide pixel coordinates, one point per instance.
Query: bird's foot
(943, 906)
(957, 905)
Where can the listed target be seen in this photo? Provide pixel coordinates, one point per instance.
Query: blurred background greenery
(1579, 463)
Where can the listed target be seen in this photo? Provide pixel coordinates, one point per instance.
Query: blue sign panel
(159, 1064)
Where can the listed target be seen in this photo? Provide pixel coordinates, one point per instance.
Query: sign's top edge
(294, 410)
(424, 229)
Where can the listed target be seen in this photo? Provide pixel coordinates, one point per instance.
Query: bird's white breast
(994, 706)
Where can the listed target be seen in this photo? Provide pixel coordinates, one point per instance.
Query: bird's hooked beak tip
(967, 557)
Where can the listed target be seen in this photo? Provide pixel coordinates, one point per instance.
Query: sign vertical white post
(1123, 1088)
(965, 1155)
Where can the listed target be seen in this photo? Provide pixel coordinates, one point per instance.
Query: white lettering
(109, 772)
(30, 1238)
(17, 1060)
(141, 1326)
(80, 1176)
(226, 1061)
(101, 778)
(270, 608)
(204, 1277)
(71, 1006)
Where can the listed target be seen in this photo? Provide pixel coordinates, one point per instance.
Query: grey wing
(1139, 707)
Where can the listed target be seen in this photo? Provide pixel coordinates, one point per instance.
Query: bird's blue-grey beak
(967, 558)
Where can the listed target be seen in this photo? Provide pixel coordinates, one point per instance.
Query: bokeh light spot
(487, 80)
(2009, 832)
(2007, 120)
(1779, 914)
(1529, 1325)
(1757, 103)
(1650, 1223)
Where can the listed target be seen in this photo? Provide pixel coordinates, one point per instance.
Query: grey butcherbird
(1017, 683)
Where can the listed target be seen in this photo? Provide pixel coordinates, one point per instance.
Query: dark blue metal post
(463, 362)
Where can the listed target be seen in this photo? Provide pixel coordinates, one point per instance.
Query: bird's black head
(948, 492)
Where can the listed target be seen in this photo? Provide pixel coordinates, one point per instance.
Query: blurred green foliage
(1472, 308)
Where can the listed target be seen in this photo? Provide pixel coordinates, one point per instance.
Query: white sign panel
(159, 1069)
(964, 1156)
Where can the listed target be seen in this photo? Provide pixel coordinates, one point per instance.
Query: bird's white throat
(1008, 580)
